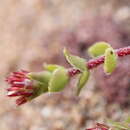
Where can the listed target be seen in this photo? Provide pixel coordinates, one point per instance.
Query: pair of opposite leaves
(98, 49)
(110, 56)
(55, 78)
(52, 79)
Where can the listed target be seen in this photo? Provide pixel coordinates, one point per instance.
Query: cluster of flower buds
(125, 125)
(20, 85)
(29, 85)
(100, 127)
(24, 87)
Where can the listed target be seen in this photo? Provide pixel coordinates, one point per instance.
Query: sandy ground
(24, 26)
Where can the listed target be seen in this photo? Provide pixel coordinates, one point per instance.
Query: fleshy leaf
(51, 67)
(110, 61)
(75, 61)
(58, 80)
(98, 49)
(119, 125)
(43, 76)
(39, 89)
(84, 76)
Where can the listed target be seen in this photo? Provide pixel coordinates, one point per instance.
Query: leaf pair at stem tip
(110, 56)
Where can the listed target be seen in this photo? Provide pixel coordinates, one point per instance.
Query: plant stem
(100, 60)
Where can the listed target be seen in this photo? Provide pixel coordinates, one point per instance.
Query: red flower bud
(21, 86)
(99, 127)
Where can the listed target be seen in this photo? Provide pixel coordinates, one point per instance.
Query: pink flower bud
(21, 86)
(99, 127)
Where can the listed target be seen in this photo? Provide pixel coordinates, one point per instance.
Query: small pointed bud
(21, 100)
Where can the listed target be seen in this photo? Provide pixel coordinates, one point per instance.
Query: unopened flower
(20, 85)
(23, 87)
(100, 127)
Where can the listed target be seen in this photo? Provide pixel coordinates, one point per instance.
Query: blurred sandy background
(35, 31)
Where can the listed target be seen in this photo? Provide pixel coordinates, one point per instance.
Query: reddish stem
(100, 60)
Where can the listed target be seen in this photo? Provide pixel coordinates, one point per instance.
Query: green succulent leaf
(51, 67)
(75, 61)
(58, 80)
(84, 76)
(43, 76)
(98, 49)
(110, 61)
(119, 125)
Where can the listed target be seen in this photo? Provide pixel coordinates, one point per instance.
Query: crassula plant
(125, 125)
(28, 85)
